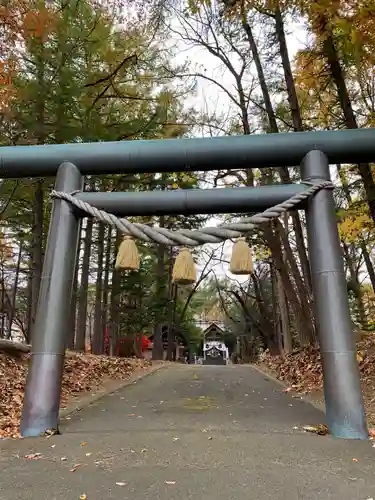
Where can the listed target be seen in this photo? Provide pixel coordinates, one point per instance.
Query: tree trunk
(369, 265)
(12, 308)
(288, 74)
(262, 80)
(264, 327)
(80, 343)
(106, 281)
(331, 55)
(275, 316)
(355, 286)
(98, 342)
(38, 208)
(3, 308)
(36, 251)
(273, 127)
(158, 351)
(298, 127)
(114, 309)
(305, 329)
(29, 303)
(284, 316)
(171, 348)
(301, 288)
(366, 256)
(73, 312)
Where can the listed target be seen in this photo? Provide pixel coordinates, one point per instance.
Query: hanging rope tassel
(241, 261)
(127, 255)
(184, 271)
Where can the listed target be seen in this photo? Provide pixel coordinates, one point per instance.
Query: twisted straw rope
(188, 237)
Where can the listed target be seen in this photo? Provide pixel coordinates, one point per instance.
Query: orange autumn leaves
(21, 21)
(25, 18)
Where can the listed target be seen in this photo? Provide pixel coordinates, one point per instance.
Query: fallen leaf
(355, 460)
(360, 356)
(321, 429)
(82, 497)
(34, 456)
(75, 467)
(50, 432)
(371, 432)
(84, 443)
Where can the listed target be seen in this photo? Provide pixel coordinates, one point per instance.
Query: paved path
(191, 432)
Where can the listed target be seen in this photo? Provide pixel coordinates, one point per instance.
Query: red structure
(146, 343)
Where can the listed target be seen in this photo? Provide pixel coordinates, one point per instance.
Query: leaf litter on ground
(83, 373)
(302, 372)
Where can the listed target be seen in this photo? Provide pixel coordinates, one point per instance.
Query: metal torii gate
(70, 162)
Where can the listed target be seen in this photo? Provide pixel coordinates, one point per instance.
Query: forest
(116, 70)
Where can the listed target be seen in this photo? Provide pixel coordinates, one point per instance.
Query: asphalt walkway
(190, 432)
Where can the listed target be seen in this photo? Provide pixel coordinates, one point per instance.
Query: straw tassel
(241, 262)
(127, 255)
(184, 271)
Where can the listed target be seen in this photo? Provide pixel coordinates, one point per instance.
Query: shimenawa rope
(188, 237)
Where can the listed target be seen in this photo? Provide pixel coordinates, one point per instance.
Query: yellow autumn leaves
(355, 224)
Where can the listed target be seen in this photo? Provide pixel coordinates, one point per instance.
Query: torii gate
(70, 162)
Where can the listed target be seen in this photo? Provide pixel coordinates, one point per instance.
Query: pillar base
(41, 407)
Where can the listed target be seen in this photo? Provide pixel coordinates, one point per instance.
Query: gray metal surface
(213, 153)
(192, 201)
(50, 332)
(343, 396)
(191, 433)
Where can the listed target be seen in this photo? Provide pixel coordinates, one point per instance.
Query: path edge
(306, 398)
(76, 406)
